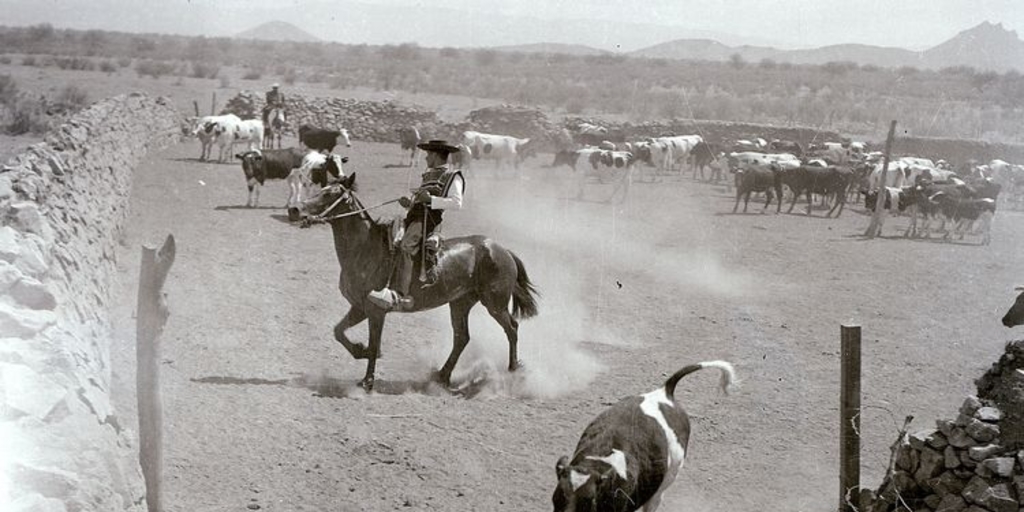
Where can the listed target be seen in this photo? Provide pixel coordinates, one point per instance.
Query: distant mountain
(987, 46)
(278, 31)
(569, 49)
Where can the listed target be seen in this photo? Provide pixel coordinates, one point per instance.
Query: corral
(262, 402)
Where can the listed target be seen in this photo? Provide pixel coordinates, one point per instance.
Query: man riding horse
(441, 189)
(275, 99)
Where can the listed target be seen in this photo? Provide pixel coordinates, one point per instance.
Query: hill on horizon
(987, 46)
(278, 31)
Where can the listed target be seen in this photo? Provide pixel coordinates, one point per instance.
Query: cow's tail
(727, 382)
(524, 294)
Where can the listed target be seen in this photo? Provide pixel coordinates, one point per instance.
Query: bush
(450, 53)
(6, 59)
(252, 74)
(485, 57)
(107, 67)
(26, 117)
(28, 60)
(290, 76)
(204, 70)
(8, 90)
(154, 68)
(72, 97)
(124, 62)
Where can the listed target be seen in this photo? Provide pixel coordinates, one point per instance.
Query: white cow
(208, 130)
(506, 151)
(607, 166)
(233, 131)
(664, 152)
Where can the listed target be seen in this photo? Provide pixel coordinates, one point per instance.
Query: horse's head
(334, 199)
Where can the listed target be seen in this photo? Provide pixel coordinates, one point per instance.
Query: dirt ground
(261, 407)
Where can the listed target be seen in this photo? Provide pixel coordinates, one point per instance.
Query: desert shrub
(72, 97)
(766, 63)
(154, 68)
(28, 60)
(5, 59)
(8, 90)
(124, 62)
(108, 66)
(450, 53)
(26, 117)
(204, 69)
(252, 74)
(290, 76)
(485, 57)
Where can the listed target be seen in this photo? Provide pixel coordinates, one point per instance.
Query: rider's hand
(422, 196)
(405, 202)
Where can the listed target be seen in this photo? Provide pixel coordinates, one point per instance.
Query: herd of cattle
(964, 196)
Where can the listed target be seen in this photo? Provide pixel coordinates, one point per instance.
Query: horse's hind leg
(460, 329)
(499, 311)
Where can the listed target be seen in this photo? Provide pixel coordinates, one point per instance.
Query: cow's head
(1015, 315)
(252, 163)
(344, 136)
(580, 489)
(329, 172)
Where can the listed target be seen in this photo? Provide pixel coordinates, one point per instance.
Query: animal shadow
(224, 208)
(331, 387)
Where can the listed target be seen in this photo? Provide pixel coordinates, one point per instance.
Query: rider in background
(275, 99)
(441, 189)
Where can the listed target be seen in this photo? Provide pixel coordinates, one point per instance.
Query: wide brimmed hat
(439, 145)
(275, 86)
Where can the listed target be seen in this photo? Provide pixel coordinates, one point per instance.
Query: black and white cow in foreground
(631, 453)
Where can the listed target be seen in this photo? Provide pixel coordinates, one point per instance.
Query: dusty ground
(260, 404)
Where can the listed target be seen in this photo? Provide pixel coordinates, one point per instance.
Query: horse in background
(275, 127)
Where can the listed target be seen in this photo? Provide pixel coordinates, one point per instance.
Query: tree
(736, 61)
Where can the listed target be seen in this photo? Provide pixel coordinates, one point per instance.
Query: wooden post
(151, 315)
(196, 105)
(877, 219)
(213, 104)
(849, 420)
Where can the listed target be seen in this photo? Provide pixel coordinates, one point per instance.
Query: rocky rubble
(63, 203)
(974, 462)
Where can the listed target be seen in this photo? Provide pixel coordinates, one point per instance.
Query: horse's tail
(524, 294)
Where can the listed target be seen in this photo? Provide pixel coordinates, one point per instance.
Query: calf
(631, 453)
(830, 182)
(207, 130)
(1015, 315)
(964, 210)
(323, 140)
(757, 180)
(505, 150)
(270, 164)
(704, 155)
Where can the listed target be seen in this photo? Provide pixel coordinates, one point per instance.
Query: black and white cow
(631, 453)
(269, 164)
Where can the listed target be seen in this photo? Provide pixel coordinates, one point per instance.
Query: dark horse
(274, 128)
(469, 269)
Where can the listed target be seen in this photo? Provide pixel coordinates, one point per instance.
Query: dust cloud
(575, 252)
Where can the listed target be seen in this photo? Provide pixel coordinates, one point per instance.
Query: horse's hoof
(437, 377)
(517, 365)
(367, 384)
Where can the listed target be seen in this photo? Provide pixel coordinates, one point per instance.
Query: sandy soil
(261, 408)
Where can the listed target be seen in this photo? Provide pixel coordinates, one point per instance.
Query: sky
(912, 24)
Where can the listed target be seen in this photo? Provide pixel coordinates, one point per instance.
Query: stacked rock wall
(377, 121)
(63, 204)
(972, 463)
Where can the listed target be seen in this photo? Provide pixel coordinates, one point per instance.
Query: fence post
(213, 104)
(849, 420)
(877, 219)
(151, 315)
(195, 104)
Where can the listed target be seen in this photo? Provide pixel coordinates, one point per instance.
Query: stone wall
(717, 132)
(377, 121)
(63, 204)
(974, 462)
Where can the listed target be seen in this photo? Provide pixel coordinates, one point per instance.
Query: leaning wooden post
(151, 315)
(195, 104)
(849, 420)
(213, 104)
(875, 227)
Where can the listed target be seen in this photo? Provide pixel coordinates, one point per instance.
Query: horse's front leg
(352, 318)
(373, 352)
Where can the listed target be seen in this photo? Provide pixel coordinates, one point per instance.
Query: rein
(362, 209)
